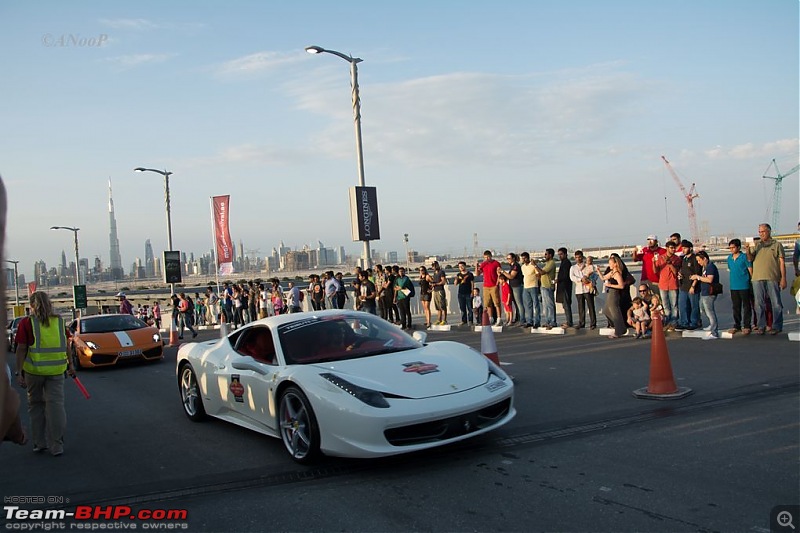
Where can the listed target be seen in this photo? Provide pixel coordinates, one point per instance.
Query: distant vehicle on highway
(343, 383)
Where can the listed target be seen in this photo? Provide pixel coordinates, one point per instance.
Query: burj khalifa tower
(116, 260)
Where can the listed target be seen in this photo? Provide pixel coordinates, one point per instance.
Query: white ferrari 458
(344, 383)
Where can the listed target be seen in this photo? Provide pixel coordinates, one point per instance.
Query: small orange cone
(173, 333)
(488, 344)
(662, 384)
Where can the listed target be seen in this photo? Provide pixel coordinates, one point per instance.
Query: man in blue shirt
(741, 270)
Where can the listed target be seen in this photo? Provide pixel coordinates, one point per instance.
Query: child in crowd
(477, 305)
(639, 317)
(656, 309)
(505, 296)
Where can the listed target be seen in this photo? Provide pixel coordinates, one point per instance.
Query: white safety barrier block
(496, 329)
(794, 336)
(555, 330)
(434, 327)
(610, 331)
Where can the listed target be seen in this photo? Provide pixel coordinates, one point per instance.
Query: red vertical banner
(222, 234)
(31, 288)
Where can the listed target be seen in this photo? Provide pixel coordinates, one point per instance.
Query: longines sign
(364, 213)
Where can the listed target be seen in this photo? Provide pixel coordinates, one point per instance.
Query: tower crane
(689, 197)
(776, 197)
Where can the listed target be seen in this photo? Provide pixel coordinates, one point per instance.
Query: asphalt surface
(582, 454)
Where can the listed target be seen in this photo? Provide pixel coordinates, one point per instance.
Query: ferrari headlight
(368, 396)
(156, 337)
(91, 345)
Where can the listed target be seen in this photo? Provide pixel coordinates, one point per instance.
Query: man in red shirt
(667, 267)
(490, 269)
(647, 255)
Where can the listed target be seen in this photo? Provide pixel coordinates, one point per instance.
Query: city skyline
(533, 124)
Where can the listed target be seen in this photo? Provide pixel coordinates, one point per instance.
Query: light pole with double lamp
(354, 61)
(166, 202)
(16, 279)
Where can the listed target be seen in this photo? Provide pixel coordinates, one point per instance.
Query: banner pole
(214, 244)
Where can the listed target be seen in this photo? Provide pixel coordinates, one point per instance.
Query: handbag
(715, 289)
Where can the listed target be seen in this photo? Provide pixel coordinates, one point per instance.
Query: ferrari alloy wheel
(298, 426)
(190, 394)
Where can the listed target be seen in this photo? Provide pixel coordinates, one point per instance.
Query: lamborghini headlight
(368, 396)
(92, 345)
(156, 337)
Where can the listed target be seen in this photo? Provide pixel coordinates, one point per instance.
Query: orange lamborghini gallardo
(103, 340)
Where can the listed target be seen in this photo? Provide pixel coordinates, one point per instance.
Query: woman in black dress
(615, 282)
(425, 294)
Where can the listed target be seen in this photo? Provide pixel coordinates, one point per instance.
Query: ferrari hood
(434, 370)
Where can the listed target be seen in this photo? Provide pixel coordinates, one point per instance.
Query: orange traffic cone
(173, 333)
(488, 344)
(662, 384)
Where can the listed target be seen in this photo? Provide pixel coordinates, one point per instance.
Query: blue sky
(531, 123)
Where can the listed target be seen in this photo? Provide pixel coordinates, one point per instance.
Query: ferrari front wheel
(298, 426)
(190, 394)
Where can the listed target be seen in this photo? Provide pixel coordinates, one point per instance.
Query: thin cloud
(136, 60)
(149, 25)
(130, 24)
(754, 151)
(478, 118)
(256, 63)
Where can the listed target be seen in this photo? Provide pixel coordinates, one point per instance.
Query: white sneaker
(710, 337)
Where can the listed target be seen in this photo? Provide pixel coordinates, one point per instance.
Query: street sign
(79, 296)
(172, 267)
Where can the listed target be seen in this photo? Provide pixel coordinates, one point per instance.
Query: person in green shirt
(403, 292)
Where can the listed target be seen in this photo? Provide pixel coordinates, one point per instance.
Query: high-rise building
(116, 260)
(149, 260)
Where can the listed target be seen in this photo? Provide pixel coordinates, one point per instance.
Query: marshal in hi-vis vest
(48, 354)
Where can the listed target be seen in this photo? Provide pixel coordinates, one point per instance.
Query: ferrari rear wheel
(298, 426)
(190, 394)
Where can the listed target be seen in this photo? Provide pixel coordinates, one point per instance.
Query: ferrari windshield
(108, 323)
(340, 337)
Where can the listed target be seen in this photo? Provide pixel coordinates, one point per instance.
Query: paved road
(582, 455)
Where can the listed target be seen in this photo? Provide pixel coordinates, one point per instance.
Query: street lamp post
(354, 61)
(16, 278)
(77, 256)
(166, 202)
(408, 259)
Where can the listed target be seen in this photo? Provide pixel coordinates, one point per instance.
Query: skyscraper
(149, 260)
(116, 260)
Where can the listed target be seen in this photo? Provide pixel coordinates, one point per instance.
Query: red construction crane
(689, 197)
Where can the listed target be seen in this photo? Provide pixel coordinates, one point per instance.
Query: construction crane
(776, 196)
(689, 197)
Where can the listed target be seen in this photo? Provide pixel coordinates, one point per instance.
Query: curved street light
(354, 61)
(166, 198)
(77, 256)
(166, 203)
